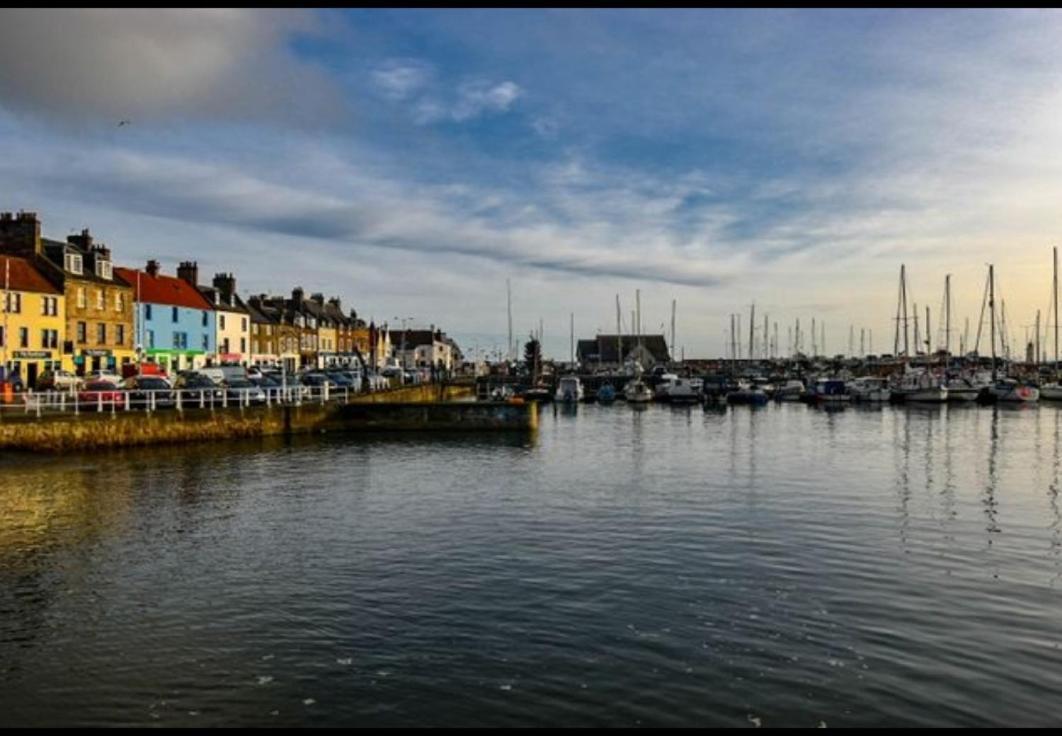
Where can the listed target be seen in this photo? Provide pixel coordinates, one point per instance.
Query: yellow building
(34, 321)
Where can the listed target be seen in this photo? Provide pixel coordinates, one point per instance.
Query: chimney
(334, 301)
(20, 235)
(152, 267)
(297, 295)
(102, 252)
(319, 298)
(83, 240)
(225, 283)
(188, 271)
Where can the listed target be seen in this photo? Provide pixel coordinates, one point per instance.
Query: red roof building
(152, 287)
(21, 275)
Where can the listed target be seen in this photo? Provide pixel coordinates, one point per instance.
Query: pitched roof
(22, 275)
(604, 347)
(160, 289)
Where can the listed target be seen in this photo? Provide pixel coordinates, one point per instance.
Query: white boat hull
(1051, 392)
(935, 395)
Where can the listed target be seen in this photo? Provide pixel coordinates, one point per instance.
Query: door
(31, 374)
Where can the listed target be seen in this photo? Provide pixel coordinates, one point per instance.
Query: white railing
(42, 403)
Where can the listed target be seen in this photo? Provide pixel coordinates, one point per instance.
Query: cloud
(479, 98)
(400, 79)
(77, 64)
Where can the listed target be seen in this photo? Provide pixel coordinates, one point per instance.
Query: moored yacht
(570, 389)
(637, 392)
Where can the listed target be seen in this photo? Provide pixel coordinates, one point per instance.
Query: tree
(532, 358)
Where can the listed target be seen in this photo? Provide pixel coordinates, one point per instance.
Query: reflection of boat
(570, 389)
(637, 392)
(869, 388)
(606, 394)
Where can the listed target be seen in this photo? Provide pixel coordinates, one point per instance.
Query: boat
(606, 394)
(962, 389)
(920, 387)
(570, 390)
(747, 394)
(538, 393)
(502, 393)
(714, 388)
(869, 389)
(792, 390)
(637, 392)
(1010, 390)
(677, 390)
(1051, 391)
(831, 391)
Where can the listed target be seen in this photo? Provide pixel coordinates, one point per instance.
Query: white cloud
(479, 98)
(400, 79)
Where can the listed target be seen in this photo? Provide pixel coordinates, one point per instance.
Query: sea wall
(58, 433)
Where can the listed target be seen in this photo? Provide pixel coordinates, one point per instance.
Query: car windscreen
(152, 383)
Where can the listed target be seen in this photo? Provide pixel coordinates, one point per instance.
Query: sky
(411, 161)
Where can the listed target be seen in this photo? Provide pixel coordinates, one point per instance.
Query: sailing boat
(1005, 389)
(1053, 390)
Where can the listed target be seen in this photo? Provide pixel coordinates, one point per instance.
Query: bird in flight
(122, 122)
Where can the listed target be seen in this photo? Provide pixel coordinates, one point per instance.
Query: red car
(99, 394)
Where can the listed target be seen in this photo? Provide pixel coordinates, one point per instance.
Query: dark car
(243, 391)
(197, 389)
(341, 380)
(145, 391)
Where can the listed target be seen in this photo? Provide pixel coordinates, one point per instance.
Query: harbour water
(781, 566)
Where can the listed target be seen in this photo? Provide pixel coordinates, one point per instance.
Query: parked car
(102, 395)
(103, 376)
(196, 388)
(342, 380)
(220, 374)
(241, 390)
(316, 379)
(58, 380)
(142, 388)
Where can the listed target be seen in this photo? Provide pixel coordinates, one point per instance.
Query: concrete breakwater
(61, 433)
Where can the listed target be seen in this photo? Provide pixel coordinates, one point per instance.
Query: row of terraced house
(67, 306)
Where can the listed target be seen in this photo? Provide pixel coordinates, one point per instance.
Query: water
(775, 566)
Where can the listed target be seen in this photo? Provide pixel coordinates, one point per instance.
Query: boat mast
(992, 315)
(1056, 311)
(672, 329)
(947, 314)
(509, 308)
(917, 337)
(619, 337)
(572, 339)
(752, 330)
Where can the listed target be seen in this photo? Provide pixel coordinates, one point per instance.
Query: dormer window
(73, 263)
(103, 269)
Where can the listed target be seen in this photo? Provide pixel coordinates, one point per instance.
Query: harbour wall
(60, 433)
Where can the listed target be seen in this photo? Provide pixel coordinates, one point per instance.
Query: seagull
(122, 122)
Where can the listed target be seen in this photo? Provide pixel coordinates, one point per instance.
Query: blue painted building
(175, 325)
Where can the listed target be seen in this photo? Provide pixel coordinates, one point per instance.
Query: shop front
(88, 360)
(30, 364)
(173, 362)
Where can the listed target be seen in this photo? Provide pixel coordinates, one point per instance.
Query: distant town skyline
(410, 161)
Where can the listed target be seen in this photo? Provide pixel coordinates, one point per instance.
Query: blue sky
(411, 161)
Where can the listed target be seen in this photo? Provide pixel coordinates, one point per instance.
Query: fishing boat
(637, 392)
(869, 389)
(569, 390)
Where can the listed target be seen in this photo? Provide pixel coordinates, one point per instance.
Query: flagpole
(7, 308)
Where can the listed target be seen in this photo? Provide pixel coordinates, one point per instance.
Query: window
(206, 340)
(119, 334)
(2, 338)
(81, 297)
(73, 263)
(175, 314)
(100, 300)
(180, 340)
(119, 302)
(14, 302)
(103, 269)
(49, 306)
(82, 330)
(221, 321)
(243, 324)
(206, 316)
(147, 311)
(23, 337)
(151, 338)
(101, 333)
(243, 344)
(49, 338)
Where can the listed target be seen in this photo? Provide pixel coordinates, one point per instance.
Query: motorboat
(538, 393)
(606, 394)
(869, 389)
(680, 390)
(637, 392)
(963, 389)
(1051, 392)
(1012, 391)
(792, 390)
(831, 391)
(747, 394)
(569, 390)
(921, 387)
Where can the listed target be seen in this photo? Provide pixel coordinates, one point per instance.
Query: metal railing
(42, 403)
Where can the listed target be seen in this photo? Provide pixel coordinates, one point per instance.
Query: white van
(222, 373)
